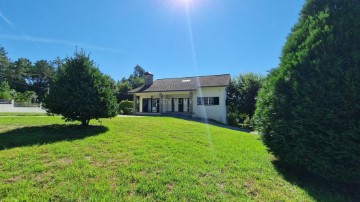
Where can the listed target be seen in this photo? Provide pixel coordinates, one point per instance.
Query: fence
(12, 106)
(5, 101)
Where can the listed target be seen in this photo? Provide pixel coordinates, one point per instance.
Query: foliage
(19, 74)
(22, 75)
(233, 119)
(136, 79)
(7, 94)
(126, 107)
(5, 91)
(27, 96)
(142, 159)
(41, 74)
(81, 92)
(123, 87)
(4, 65)
(241, 98)
(309, 109)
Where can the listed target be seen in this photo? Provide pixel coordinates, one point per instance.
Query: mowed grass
(21, 114)
(137, 159)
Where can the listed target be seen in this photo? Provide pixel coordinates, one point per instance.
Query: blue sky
(170, 38)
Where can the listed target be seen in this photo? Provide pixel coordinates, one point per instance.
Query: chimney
(148, 77)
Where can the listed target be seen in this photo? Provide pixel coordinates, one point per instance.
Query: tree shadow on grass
(38, 135)
(318, 188)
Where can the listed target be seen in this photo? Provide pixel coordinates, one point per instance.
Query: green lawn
(21, 114)
(143, 158)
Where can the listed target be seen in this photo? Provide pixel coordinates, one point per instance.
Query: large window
(208, 100)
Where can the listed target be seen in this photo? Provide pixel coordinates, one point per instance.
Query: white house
(199, 96)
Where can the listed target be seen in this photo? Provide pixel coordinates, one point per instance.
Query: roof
(184, 84)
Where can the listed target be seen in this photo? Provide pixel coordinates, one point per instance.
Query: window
(208, 100)
(211, 101)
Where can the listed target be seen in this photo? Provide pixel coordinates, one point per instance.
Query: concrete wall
(11, 108)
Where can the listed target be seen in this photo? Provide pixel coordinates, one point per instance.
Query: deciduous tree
(241, 99)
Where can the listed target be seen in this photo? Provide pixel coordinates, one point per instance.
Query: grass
(21, 114)
(143, 158)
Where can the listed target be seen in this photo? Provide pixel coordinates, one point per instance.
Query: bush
(309, 111)
(81, 92)
(126, 107)
(5, 91)
(233, 119)
(26, 97)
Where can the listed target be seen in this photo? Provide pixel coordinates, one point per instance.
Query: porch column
(191, 102)
(161, 103)
(134, 104)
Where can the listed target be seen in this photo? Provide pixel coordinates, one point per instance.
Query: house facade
(199, 97)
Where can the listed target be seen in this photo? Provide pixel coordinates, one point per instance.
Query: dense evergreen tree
(23, 76)
(41, 74)
(136, 79)
(309, 109)
(81, 92)
(4, 64)
(20, 77)
(5, 93)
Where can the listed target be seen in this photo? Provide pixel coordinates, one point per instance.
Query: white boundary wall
(11, 108)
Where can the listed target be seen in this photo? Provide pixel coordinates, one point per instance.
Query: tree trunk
(85, 122)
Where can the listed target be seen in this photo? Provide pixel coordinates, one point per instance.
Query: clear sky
(170, 38)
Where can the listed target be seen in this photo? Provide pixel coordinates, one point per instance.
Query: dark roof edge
(176, 90)
(160, 91)
(214, 86)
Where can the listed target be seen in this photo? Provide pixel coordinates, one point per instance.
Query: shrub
(81, 92)
(309, 109)
(126, 107)
(27, 96)
(5, 91)
(233, 119)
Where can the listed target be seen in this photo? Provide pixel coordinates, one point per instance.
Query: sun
(181, 5)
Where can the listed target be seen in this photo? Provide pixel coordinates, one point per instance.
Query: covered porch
(163, 102)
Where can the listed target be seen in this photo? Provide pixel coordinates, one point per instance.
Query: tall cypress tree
(309, 110)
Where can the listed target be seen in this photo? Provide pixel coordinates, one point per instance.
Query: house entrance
(181, 104)
(151, 105)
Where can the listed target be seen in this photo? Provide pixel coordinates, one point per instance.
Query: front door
(145, 106)
(181, 104)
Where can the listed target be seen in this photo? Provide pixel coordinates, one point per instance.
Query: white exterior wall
(214, 112)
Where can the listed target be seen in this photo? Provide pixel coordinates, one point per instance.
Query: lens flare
(184, 3)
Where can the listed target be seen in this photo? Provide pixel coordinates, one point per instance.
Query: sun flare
(184, 2)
